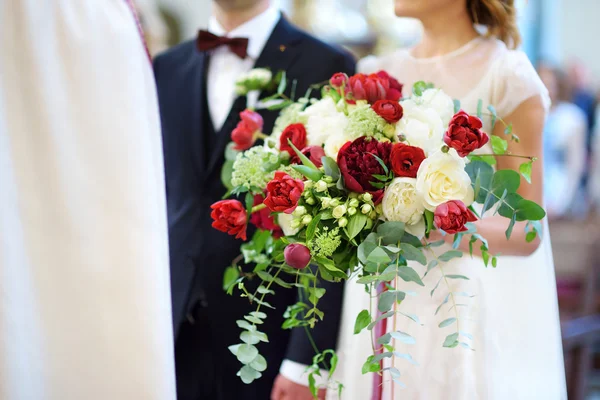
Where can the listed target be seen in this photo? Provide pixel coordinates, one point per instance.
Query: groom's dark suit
(203, 315)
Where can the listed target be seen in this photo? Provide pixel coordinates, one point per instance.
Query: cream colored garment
(514, 317)
(84, 274)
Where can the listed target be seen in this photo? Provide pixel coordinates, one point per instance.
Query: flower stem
(258, 207)
(530, 158)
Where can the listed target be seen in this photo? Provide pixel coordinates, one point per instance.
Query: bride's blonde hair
(500, 18)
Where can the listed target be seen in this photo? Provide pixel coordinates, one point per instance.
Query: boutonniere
(257, 81)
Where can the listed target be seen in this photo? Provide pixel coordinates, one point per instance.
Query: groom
(199, 109)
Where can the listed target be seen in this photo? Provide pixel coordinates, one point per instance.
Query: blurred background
(560, 38)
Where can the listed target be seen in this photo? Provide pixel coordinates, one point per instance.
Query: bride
(512, 321)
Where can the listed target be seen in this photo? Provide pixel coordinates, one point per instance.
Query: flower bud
(321, 186)
(353, 203)
(351, 210)
(308, 184)
(367, 197)
(445, 149)
(328, 179)
(299, 211)
(306, 219)
(297, 255)
(339, 211)
(325, 202)
(295, 223)
(335, 202)
(366, 208)
(342, 222)
(310, 201)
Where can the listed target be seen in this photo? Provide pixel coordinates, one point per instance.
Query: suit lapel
(197, 114)
(278, 54)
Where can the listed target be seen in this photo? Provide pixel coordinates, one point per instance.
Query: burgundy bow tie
(209, 41)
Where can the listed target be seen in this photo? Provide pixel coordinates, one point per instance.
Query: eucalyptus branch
(262, 298)
(530, 158)
(449, 289)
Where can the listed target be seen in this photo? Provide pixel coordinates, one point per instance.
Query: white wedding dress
(513, 317)
(85, 306)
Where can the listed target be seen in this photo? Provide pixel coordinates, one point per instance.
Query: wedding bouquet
(351, 185)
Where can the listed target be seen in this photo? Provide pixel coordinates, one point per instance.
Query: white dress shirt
(226, 67)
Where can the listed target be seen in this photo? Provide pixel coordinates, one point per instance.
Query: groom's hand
(284, 389)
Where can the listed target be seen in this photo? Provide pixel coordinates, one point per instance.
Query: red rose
(314, 154)
(283, 193)
(389, 110)
(263, 219)
(230, 216)
(406, 160)
(395, 90)
(297, 255)
(452, 216)
(358, 164)
(464, 134)
(296, 133)
(368, 87)
(244, 134)
(338, 80)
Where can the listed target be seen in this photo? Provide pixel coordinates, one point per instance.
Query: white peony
(421, 127)
(401, 202)
(323, 120)
(442, 177)
(440, 102)
(285, 222)
(334, 143)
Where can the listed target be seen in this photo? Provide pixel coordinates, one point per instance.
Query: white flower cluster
(255, 79)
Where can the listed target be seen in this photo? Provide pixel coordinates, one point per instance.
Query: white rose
(421, 127)
(323, 120)
(401, 202)
(285, 222)
(261, 75)
(442, 177)
(439, 101)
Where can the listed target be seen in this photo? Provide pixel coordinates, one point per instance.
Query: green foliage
(525, 170)
(499, 145)
(363, 319)
(456, 105)
(420, 87)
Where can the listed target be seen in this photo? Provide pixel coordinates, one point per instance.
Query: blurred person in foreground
(84, 273)
(565, 135)
(199, 110)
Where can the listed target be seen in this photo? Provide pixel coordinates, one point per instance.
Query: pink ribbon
(380, 330)
(139, 26)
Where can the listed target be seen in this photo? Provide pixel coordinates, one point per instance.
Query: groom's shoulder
(312, 45)
(176, 55)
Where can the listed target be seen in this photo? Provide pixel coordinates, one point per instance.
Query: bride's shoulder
(514, 79)
(371, 64)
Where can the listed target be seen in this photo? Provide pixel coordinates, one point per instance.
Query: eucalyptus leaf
(450, 254)
(465, 334)
(482, 173)
(447, 322)
(393, 372)
(258, 314)
(412, 253)
(380, 318)
(456, 105)
(248, 374)
(263, 290)
(249, 338)
(492, 110)
(406, 357)
(457, 277)
(443, 302)
(387, 299)
(403, 337)
(412, 317)
(259, 363)
(379, 256)
(253, 319)
(381, 356)
(391, 232)
(245, 325)
(410, 275)
(230, 277)
(479, 108)
(385, 339)
(451, 340)
(246, 353)
(364, 250)
(432, 264)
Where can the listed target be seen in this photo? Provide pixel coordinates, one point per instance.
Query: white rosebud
(321, 186)
(366, 208)
(342, 222)
(311, 201)
(306, 219)
(367, 197)
(353, 202)
(285, 222)
(339, 211)
(442, 177)
(325, 202)
(351, 211)
(335, 202)
(295, 223)
(299, 211)
(308, 184)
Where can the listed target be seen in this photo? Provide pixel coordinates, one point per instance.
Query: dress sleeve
(516, 81)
